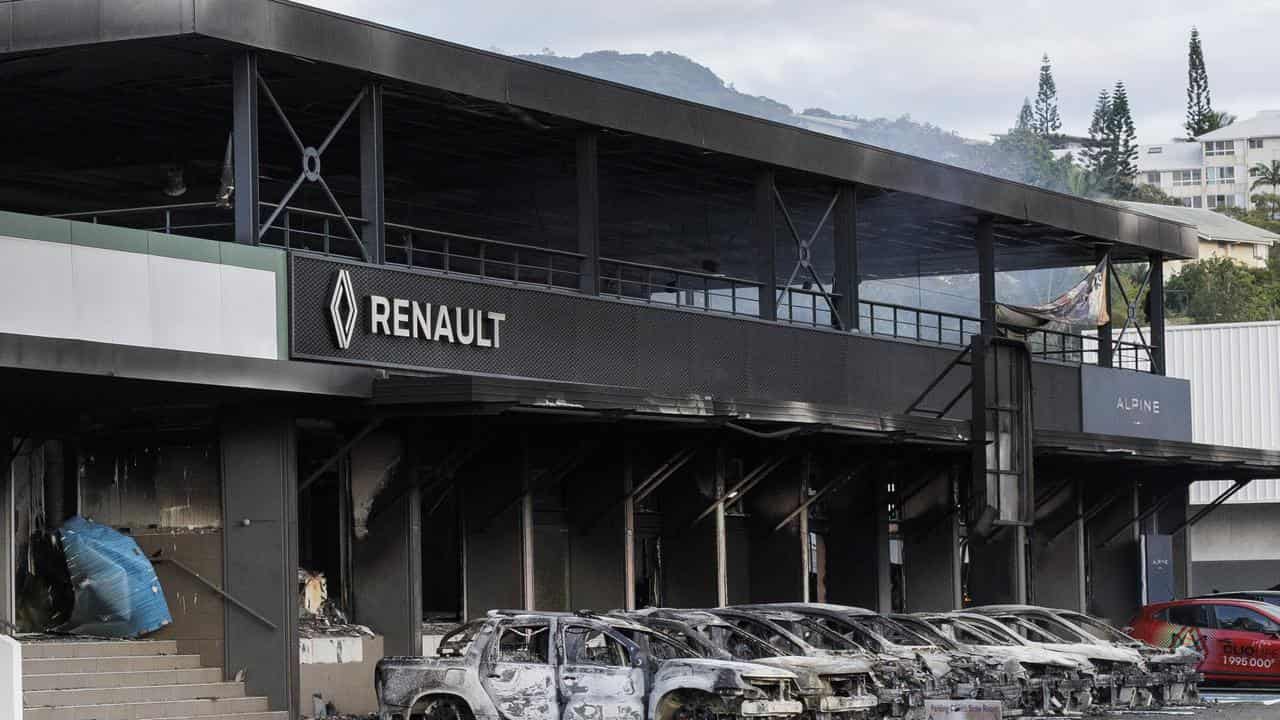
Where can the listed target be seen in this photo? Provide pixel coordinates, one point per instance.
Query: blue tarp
(117, 591)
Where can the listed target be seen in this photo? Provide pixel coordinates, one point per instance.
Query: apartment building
(1213, 171)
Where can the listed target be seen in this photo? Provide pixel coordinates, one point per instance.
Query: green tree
(1122, 142)
(1265, 174)
(1025, 156)
(1200, 115)
(1151, 194)
(1047, 122)
(1097, 155)
(1025, 116)
(1219, 290)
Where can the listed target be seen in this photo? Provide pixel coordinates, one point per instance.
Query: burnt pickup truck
(517, 665)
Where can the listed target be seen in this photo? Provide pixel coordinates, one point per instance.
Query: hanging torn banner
(1082, 307)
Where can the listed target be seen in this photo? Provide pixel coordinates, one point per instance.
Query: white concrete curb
(10, 678)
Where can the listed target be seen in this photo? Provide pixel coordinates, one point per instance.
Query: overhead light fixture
(175, 185)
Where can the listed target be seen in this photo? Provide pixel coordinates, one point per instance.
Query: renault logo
(343, 309)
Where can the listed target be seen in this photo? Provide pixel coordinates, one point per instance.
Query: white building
(1220, 235)
(1213, 171)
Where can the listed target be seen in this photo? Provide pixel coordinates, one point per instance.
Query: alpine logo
(343, 309)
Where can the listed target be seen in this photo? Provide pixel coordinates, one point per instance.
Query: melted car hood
(819, 665)
(1095, 652)
(746, 669)
(1028, 655)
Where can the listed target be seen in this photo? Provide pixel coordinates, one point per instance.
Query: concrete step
(159, 710)
(98, 648)
(136, 678)
(51, 666)
(113, 695)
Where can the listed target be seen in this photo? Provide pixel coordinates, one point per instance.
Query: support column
(722, 541)
(931, 541)
(372, 175)
(985, 238)
(244, 103)
(529, 591)
(588, 174)
(858, 563)
(1058, 550)
(388, 559)
(1114, 565)
(846, 250)
(628, 525)
(1155, 314)
(260, 553)
(8, 568)
(778, 557)
(1105, 349)
(766, 251)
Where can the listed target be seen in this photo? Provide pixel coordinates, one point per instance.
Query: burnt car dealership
(282, 290)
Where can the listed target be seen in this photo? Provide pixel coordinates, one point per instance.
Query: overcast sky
(959, 64)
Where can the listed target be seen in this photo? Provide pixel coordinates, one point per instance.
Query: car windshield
(816, 635)
(741, 645)
(926, 631)
(1098, 629)
(458, 642)
(993, 628)
(890, 631)
(1031, 632)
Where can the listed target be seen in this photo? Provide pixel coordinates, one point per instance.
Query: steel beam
(588, 177)
(244, 142)
(338, 454)
(831, 486)
(984, 237)
(1155, 314)
(1155, 508)
(743, 486)
(765, 248)
(1214, 505)
(846, 251)
(372, 174)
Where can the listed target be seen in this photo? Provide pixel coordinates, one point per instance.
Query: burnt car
(831, 687)
(517, 665)
(900, 685)
(1122, 679)
(1176, 668)
(947, 675)
(1057, 682)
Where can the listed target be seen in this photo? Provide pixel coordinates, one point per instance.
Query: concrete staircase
(129, 680)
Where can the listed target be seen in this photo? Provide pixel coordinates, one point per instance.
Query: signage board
(1157, 569)
(1134, 404)
(962, 709)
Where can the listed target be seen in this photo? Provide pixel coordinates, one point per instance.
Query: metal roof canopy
(1182, 460)
(31, 26)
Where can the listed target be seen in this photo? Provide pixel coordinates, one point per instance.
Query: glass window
(817, 634)
(1193, 202)
(1217, 201)
(1220, 147)
(661, 648)
(1190, 616)
(458, 642)
(524, 643)
(1255, 143)
(1186, 177)
(1242, 619)
(1220, 175)
(590, 646)
(1153, 178)
(1155, 150)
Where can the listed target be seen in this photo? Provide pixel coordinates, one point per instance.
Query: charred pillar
(244, 142)
(765, 250)
(588, 176)
(1057, 548)
(260, 553)
(778, 535)
(1112, 547)
(8, 545)
(691, 566)
(1155, 313)
(930, 540)
(372, 176)
(984, 236)
(386, 560)
(492, 497)
(846, 251)
(857, 565)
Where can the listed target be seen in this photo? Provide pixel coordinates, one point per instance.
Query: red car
(1240, 639)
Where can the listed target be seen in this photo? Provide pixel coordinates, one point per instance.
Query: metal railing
(202, 219)
(313, 230)
(655, 284)
(481, 257)
(801, 306)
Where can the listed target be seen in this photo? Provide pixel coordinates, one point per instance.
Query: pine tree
(1200, 115)
(1025, 117)
(1097, 155)
(1123, 143)
(1047, 121)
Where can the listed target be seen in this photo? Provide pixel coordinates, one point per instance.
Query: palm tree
(1266, 175)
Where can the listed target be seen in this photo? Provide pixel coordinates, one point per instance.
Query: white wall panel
(1234, 371)
(62, 290)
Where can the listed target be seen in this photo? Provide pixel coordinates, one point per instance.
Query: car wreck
(518, 665)
(948, 675)
(1056, 682)
(832, 688)
(1122, 679)
(1176, 669)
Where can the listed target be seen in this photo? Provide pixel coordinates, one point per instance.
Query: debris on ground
(117, 592)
